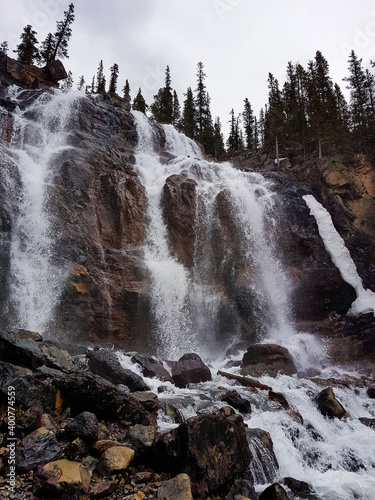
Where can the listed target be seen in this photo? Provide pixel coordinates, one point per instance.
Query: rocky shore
(83, 426)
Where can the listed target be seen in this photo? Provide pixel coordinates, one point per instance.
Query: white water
(340, 255)
(187, 304)
(38, 136)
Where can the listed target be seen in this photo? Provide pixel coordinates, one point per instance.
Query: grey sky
(238, 41)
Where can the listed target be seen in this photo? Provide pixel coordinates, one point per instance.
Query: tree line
(307, 114)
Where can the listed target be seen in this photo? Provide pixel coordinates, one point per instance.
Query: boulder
(300, 489)
(274, 492)
(371, 392)
(369, 422)
(177, 488)
(213, 448)
(151, 367)
(141, 439)
(63, 476)
(190, 369)
(105, 363)
(279, 398)
(267, 359)
(234, 399)
(37, 448)
(116, 458)
(328, 404)
(84, 426)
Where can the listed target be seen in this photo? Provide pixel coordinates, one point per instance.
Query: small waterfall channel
(38, 137)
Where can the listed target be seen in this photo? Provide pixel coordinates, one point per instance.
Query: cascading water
(340, 255)
(39, 135)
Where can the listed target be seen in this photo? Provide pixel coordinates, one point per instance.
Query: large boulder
(213, 448)
(274, 492)
(151, 367)
(84, 426)
(115, 459)
(105, 363)
(177, 488)
(61, 477)
(234, 399)
(190, 369)
(267, 359)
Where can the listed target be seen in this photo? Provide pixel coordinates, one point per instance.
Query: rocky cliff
(99, 208)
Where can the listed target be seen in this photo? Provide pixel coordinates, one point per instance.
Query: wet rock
(178, 488)
(63, 476)
(106, 364)
(84, 426)
(116, 458)
(369, 422)
(371, 392)
(141, 439)
(299, 488)
(234, 399)
(274, 492)
(151, 367)
(267, 359)
(34, 77)
(328, 404)
(103, 489)
(37, 448)
(179, 200)
(264, 467)
(190, 369)
(212, 447)
(279, 398)
(27, 349)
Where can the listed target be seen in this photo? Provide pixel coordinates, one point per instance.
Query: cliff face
(99, 211)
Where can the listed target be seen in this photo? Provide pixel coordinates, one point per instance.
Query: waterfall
(340, 255)
(38, 137)
(188, 303)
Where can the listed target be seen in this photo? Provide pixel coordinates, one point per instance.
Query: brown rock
(329, 405)
(190, 369)
(65, 475)
(178, 488)
(267, 358)
(115, 459)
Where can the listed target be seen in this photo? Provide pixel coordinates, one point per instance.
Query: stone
(116, 458)
(278, 398)
(234, 399)
(37, 448)
(213, 448)
(371, 392)
(63, 476)
(141, 439)
(299, 488)
(264, 465)
(151, 367)
(84, 426)
(106, 364)
(274, 492)
(190, 369)
(103, 489)
(177, 488)
(267, 359)
(328, 404)
(369, 422)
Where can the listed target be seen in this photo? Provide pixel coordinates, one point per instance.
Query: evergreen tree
(176, 120)
(81, 83)
(4, 49)
(139, 103)
(100, 79)
(261, 128)
(68, 82)
(27, 50)
(126, 91)
(248, 124)
(204, 130)
(235, 139)
(359, 102)
(274, 119)
(256, 134)
(48, 48)
(93, 85)
(162, 107)
(113, 80)
(295, 101)
(219, 149)
(63, 34)
(188, 115)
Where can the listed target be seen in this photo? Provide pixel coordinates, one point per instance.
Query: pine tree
(93, 85)
(139, 103)
(261, 128)
(100, 79)
(126, 91)
(162, 107)
(48, 48)
(219, 149)
(235, 139)
(176, 120)
(63, 34)
(4, 49)
(81, 83)
(27, 50)
(248, 124)
(204, 130)
(274, 119)
(68, 82)
(113, 80)
(188, 115)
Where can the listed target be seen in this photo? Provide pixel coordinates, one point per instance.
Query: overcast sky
(238, 41)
